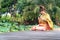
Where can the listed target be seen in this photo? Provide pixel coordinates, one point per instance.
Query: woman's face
(42, 12)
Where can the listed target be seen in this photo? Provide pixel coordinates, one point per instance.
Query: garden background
(21, 15)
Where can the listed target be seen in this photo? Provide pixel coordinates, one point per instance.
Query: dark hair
(42, 8)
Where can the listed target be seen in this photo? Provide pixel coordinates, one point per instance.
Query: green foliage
(29, 9)
(12, 27)
(57, 16)
(3, 10)
(5, 4)
(28, 12)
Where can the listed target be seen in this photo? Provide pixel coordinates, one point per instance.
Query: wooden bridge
(31, 35)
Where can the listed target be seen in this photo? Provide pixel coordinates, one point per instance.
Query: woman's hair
(42, 8)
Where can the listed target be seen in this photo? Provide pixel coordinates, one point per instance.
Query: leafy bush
(13, 27)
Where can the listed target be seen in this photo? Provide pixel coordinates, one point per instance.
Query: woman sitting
(45, 22)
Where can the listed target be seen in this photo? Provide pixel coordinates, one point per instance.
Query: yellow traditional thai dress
(47, 22)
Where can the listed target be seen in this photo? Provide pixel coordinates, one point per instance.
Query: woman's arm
(48, 19)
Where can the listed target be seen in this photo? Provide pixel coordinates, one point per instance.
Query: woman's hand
(42, 18)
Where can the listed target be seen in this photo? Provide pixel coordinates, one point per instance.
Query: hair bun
(42, 7)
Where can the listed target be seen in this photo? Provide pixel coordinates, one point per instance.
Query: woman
(45, 22)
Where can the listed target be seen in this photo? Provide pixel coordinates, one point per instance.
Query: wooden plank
(31, 35)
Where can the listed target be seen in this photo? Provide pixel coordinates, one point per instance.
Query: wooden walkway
(31, 35)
